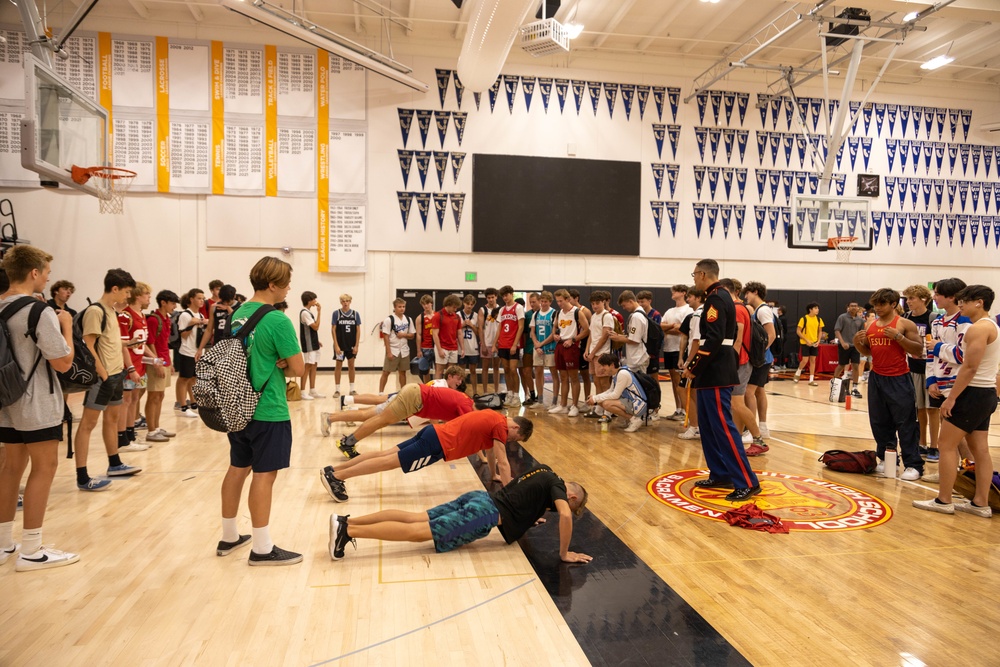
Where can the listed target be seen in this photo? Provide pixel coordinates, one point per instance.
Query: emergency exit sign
(470, 276)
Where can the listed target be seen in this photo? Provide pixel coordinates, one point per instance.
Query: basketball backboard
(817, 218)
(62, 127)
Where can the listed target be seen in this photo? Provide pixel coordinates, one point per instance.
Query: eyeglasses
(696, 273)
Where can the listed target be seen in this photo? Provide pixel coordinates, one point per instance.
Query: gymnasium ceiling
(690, 35)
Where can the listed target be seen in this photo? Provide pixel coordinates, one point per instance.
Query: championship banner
(713, 218)
(996, 194)
(866, 150)
(441, 121)
(801, 145)
(852, 222)
(788, 142)
(774, 178)
(405, 201)
(950, 222)
(741, 182)
(953, 122)
(659, 133)
(457, 160)
(460, 118)
(714, 135)
(658, 172)
(976, 151)
(106, 73)
(996, 232)
(876, 225)
(270, 121)
(963, 151)
(528, 90)
(904, 155)
(904, 120)
(866, 117)
(323, 161)
(673, 173)
(900, 227)
(925, 186)
(457, 204)
(762, 138)
(963, 228)
(786, 184)
(727, 216)
(477, 98)
(702, 100)
(890, 151)
(974, 190)
(674, 135)
(759, 212)
(952, 193)
(642, 92)
(904, 187)
(853, 143)
(974, 229)
(800, 182)
(963, 193)
(628, 95)
(441, 165)
(440, 208)
(928, 149)
(925, 223)
(545, 88)
(699, 178)
(918, 121)
(739, 212)
(840, 182)
(775, 140)
(713, 180)
(891, 113)
(595, 94)
(510, 82)
(741, 143)
(728, 103)
(940, 115)
(673, 99)
(699, 217)
(716, 99)
(789, 112)
(562, 88)
(162, 114)
(459, 91)
(813, 183)
(423, 159)
(672, 208)
(659, 95)
(700, 137)
(727, 181)
(966, 115)
(218, 118)
(657, 207)
(405, 161)
(579, 88)
(888, 227)
(493, 92)
(762, 104)
(776, 105)
(742, 102)
(405, 122)
(987, 193)
(772, 217)
(424, 124)
(938, 224)
(890, 189)
(939, 149)
(879, 117)
(423, 206)
(443, 79)
(815, 111)
(611, 95)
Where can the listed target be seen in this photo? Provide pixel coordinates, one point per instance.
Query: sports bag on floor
(861, 463)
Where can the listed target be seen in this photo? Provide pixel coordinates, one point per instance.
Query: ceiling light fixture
(713, 2)
(939, 61)
(303, 29)
(910, 17)
(573, 30)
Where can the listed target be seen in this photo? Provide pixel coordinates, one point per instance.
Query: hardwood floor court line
(473, 577)
(424, 627)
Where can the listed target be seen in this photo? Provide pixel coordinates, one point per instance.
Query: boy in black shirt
(513, 509)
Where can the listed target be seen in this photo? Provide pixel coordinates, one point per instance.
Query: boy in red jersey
(134, 335)
(158, 372)
(425, 339)
(511, 320)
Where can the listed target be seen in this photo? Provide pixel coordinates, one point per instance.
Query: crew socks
(348, 400)
(130, 432)
(123, 440)
(352, 386)
(6, 535)
(31, 540)
(349, 440)
(262, 544)
(81, 475)
(230, 533)
(114, 461)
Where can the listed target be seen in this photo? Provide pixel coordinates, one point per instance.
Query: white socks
(230, 533)
(31, 541)
(348, 400)
(352, 386)
(262, 543)
(6, 535)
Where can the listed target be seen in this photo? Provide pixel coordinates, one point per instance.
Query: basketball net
(111, 184)
(843, 245)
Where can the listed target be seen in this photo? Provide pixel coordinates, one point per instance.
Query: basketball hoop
(843, 245)
(111, 184)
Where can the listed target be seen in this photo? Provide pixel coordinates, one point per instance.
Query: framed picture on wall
(868, 185)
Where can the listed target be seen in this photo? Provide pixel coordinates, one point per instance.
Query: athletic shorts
(469, 360)
(973, 409)
(848, 356)
(311, 357)
(920, 390)
(567, 358)
(808, 351)
(105, 392)
(155, 383)
(504, 353)
(449, 357)
(760, 376)
(346, 352)
(544, 360)
(406, 402)
(393, 364)
(11, 436)
(653, 367)
(584, 364)
(184, 365)
(128, 385)
(420, 451)
(936, 403)
(744, 372)
(671, 360)
(465, 519)
(261, 446)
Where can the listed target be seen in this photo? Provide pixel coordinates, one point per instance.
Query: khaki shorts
(394, 363)
(157, 384)
(449, 357)
(546, 360)
(407, 402)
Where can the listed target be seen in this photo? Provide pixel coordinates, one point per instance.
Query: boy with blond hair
(425, 338)
(345, 328)
(397, 330)
(544, 339)
(468, 349)
(134, 334)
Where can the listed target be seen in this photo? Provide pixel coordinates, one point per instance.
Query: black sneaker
(338, 536)
(342, 406)
(528, 402)
(226, 548)
(743, 494)
(713, 484)
(336, 488)
(592, 415)
(276, 557)
(350, 451)
(856, 394)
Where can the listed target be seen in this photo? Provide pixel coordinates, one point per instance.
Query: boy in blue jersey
(544, 342)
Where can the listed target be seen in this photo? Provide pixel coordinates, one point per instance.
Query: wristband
(130, 369)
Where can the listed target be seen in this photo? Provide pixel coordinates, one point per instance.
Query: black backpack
(174, 341)
(13, 383)
(651, 388)
(758, 340)
(82, 375)
(654, 338)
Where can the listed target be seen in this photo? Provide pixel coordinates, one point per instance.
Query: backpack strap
(33, 316)
(247, 329)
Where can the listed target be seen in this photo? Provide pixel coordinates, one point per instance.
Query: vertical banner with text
(104, 87)
(218, 122)
(270, 120)
(323, 159)
(162, 114)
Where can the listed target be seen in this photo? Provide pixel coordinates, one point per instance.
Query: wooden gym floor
(149, 589)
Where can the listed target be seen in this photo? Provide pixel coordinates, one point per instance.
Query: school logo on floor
(802, 503)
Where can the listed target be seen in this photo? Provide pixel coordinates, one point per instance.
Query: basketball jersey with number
(347, 328)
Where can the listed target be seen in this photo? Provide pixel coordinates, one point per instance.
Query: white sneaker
(747, 438)
(134, 447)
(910, 475)
(693, 433)
(573, 412)
(190, 414)
(798, 376)
(324, 423)
(633, 424)
(514, 402)
(163, 431)
(765, 432)
(880, 468)
(336, 394)
(156, 436)
(305, 396)
(44, 558)
(969, 508)
(7, 553)
(932, 477)
(932, 505)
(678, 416)
(316, 394)
(557, 410)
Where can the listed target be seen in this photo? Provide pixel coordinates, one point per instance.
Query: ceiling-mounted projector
(545, 37)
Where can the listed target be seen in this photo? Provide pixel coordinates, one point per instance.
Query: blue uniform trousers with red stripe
(720, 441)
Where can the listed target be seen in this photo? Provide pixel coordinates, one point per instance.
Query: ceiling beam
(665, 21)
(196, 12)
(357, 18)
(623, 10)
(139, 8)
(410, 15)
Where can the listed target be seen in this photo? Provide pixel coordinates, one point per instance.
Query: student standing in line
(134, 334)
(528, 351)
(918, 300)
(309, 340)
(543, 338)
(511, 320)
(602, 326)
(673, 353)
(425, 339)
(489, 329)
(469, 340)
(584, 365)
(397, 331)
(159, 371)
(810, 331)
(444, 332)
(189, 326)
(61, 292)
(346, 331)
(571, 328)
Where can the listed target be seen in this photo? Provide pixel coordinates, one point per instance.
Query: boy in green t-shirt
(265, 445)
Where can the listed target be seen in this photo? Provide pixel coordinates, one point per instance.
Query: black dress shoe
(743, 494)
(713, 484)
